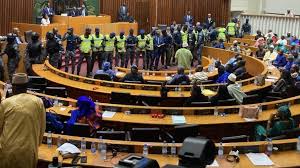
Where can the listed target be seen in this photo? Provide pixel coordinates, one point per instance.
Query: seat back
(113, 135)
(56, 91)
(184, 131)
(79, 129)
(145, 134)
(251, 99)
(103, 76)
(120, 98)
(239, 138)
(200, 104)
(27, 36)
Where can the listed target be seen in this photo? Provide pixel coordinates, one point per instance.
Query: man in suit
(209, 21)
(48, 11)
(123, 12)
(188, 19)
(84, 11)
(73, 12)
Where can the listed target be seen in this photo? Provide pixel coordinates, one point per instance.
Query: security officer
(191, 41)
(199, 44)
(121, 49)
(86, 42)
(177, 40)
(231, 29)
(166, 56)
(130, 47)
(149, 50)
(71, 47)
(97, 49)
(53, 48)
(184, 35)
(109, 46)
(12, 52)
(34, 51)
(141, 48)
(158, 49)
(222, 33)
(58, 38)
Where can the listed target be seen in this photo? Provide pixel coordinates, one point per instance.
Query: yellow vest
(141, 43)
(109, 43)
(231, 28)
(222, 34)
(86, 44)
(98, 42)
(184, 37)
(150, 46)
(121, 44)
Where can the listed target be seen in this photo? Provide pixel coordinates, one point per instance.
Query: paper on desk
(214, 164)
(62, 109)
(108, 114)
(272, 77)
(176, 119)
(68, 148)
(259, 159)
(271, 80)
(250, 119)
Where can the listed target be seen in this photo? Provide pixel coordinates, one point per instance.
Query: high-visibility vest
(150, 46)
(222, 34)
(121, 44)
(184, 37)
(141, 43)
(231, 28)
(109, 43)
(98, 42)
(86, 44)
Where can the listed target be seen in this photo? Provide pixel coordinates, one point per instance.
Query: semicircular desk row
(78, 85)
(279, 158)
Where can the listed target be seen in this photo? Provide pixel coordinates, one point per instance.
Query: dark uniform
(130, 48)
(166, 56)
(72, 41)
(53, 48)
(34, 52)
(12, 52)
(58, 38)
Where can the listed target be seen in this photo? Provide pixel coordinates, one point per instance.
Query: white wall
(249, 6)
(280, 6)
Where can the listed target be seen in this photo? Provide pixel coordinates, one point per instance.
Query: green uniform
(231, 29)
(141, 45)
(150, 46)
(86, 44)
(222, 34)
(109, 44)
(98, 42)
(184, 37)
(121, 44)
(184, 58)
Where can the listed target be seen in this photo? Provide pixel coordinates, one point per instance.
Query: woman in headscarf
(85, 113)
(278, 122)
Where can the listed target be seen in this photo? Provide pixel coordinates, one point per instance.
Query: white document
(259, 159)
(108, 114)
(214, 164)
(272, 77)
(176, 119)
(68, 148)
(250, 119)
(271, 80)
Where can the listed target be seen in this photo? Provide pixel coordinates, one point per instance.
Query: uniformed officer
(58, 38)
(184, 35)
(109, 46)
(98, 49)
(177, 41)
(231, 29)
(149, 50)
(141, 48)
(158, 49)
(53, 48)
(71, 47)
(130, 47)
(12, 52)
(121, 49)
(222, 33)
(34, 52)
(86, 42)
(191, 42)
(166, 55)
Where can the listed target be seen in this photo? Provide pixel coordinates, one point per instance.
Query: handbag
(260, 80)
(249, 111)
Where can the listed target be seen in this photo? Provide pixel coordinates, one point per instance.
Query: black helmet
(50, 35)
(10, 38)
(35, 36)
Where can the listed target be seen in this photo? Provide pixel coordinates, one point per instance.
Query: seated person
(179, 78)
(86, 114)
(233, 61)
(270, 55)
(246, 51)
(199, 76)
(219, 44)
(295, 73)
(45, 20)
(106, 70)
(196, 96)
(223, 74)
(261, 41)
(129, 18)
(289, 63)
(280, 60)
(133, 76)
(222, 94)
(241, 70)
(284, 82)
(234, 89)
(280, 121)
(258, 34)
(235, 47)
(260, 53)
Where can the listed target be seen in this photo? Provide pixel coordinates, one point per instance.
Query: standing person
(52, 47)
(184, 35)
(209, 21)
(192, 41)
(121, 49)
(58, 38)
(16, 33)
(45, 20)
(141, 48)
(131, 42)
(177, 42)
(289, 14)
(231, 29)
(202, 40)
(123, 10)
(246, 28)
(48, 10)
(166, 56)
(184, 57)
(188, 19)
(84, 11)
(12, 52)
(222, 33)
(97, 48)
(72, 41)
(86, 41)
(33, 52)
(158, 49)
(149, 50)
(109, 46)
(22, 126)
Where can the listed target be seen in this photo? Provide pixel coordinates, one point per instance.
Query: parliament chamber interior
(149, 83)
